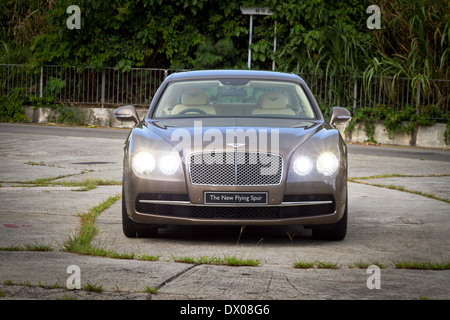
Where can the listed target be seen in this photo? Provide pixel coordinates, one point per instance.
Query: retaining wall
(423, 136)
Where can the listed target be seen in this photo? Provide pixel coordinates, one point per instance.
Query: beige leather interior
(272, 103)
(196, 99)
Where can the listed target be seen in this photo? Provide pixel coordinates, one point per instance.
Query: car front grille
(236, 168)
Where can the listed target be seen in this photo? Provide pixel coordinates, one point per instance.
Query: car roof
(254, 74)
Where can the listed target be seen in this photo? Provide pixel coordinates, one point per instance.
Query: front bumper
(165, 211)
(298, 203)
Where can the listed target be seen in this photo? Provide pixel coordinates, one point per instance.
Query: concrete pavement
(385, 226)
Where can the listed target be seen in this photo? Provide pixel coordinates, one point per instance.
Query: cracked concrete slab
(127, 279)
(384, 225)
(30, 157)
(437, 186)
(113, 275)
(269, 282)
(47, 215)
(361, 165)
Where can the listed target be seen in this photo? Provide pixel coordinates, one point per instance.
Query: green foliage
(69, 115)
(323, 37)
(11, 109)
(11, 53)
(20, 22)
(405, 120)
(413, 43)
(326, 38)
(313, 36)
(127, 34)
(64, 113)
(56, 85)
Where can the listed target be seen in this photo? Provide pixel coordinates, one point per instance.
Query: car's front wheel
(333, 232)
(132, 229)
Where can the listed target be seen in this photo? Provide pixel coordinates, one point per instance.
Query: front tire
(132, 229)
(333, 232)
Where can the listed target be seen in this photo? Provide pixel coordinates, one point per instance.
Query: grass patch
(393, 187)
(198, 260)
(67, 297)
(424, 194)
(326, 265)
(397, 175)
(152, 290)
(42, 182)
(84, 185)
(42, 164)
(81, 243)
(426, 265)
(28, 247)
(9, 283)
(93, 287)
(365, 265)
(302, 264)
(56, 285)
(32, 163)
(26, 283)
(239, 262)
(146, 257)
(116, 255)
(38, 247)
(12, 248)
(89, 184)
(380, 176)
(226, 260)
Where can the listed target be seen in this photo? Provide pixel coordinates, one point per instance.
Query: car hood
(280, 135)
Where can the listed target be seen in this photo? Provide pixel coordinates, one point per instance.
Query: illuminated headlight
(168, 164)
(327, 163)
(303, 165)
(143, 162)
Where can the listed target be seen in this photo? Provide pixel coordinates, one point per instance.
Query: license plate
(235, 197)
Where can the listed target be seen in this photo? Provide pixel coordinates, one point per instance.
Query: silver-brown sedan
(234, 147)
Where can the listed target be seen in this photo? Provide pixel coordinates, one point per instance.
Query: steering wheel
(192, 110)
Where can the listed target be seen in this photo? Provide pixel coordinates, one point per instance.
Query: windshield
(234, 98)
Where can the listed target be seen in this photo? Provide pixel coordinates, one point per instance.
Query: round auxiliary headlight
(302, 165)
(168, 165)
(327, 163)
(143, 162)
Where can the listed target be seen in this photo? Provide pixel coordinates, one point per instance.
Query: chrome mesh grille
(235, 168)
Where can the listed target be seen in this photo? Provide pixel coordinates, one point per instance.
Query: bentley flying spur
(234, 147)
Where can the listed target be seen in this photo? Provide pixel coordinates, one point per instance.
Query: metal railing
(85, 87)
(356, 93)
(137, 86)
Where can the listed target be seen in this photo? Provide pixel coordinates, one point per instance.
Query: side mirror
(127, 113)
(339, 114)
